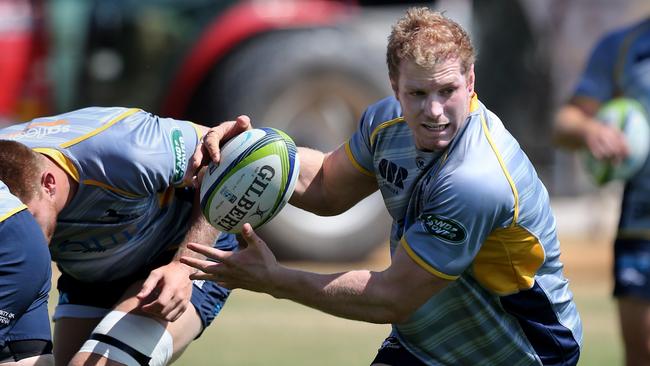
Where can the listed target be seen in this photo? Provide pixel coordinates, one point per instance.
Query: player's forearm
(200, 231)
(571, 127)
(355, 295)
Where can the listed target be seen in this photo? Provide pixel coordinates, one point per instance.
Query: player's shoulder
(640, 26)
(620, 35)
(383, 120)
(382, 111)
(9, 204)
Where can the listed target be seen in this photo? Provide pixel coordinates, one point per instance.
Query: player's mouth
(438, 127)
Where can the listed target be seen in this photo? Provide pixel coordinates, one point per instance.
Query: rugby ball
(254, 180)
(630, 117)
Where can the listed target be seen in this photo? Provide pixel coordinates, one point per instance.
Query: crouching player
(111, 179)
(25, 272)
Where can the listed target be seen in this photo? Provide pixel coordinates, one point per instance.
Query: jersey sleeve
(359, 147)
(598, 78)
(183, 138)
(142, 155)
(455, 219)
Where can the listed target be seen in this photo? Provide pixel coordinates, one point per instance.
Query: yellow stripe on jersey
(515, 193)
(199, 131)
(383, 125)
(122, 116)
(473, 103)
(92, 182)
(354, 162)
(424, 264)
(61, 160)
(508, 260)
(69, 168)
(12, 212)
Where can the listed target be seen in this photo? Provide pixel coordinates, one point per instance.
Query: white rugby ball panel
(254, 180)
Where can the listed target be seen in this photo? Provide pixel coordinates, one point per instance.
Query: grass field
(255, 329)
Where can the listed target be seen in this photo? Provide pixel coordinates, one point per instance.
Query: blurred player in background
(25, 273)
(475, 277)
(110, 181)
(619, 66)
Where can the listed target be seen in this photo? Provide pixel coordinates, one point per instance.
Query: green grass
(602, 344)
(256, 329)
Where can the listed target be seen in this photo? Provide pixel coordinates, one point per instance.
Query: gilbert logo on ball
(630, 117)
(254, 180)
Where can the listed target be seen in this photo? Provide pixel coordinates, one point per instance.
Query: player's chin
(433, 144)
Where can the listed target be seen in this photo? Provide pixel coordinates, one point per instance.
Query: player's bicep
(330, 183)
(344, 181)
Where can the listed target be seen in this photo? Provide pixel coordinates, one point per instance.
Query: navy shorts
(25, 275)
(93, 300)
(632, 268)
(632, 249)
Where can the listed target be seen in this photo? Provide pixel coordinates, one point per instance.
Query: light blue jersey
(128, 164)
(476, 214)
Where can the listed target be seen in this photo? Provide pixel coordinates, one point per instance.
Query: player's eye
(447, 91)
(417, 93)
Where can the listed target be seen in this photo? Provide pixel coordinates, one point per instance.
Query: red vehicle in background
(21, 48)
(308, 67)
(302, 66)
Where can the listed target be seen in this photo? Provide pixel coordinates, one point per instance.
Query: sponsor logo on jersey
(180, 155)
(92, 242)
(38, 130)
(393, 173)
(444, 228)
(420, 162)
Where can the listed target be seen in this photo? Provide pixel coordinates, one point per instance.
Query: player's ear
(470, 79)
(48, 183)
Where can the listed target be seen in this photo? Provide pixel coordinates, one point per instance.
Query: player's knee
(42, 360)
(27, 353)
(129, 339)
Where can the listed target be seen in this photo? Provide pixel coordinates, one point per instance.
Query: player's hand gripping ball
(630, 117)
(254, 180)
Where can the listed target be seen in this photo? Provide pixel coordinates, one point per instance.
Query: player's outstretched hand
(251, 268)
(167, 291)
(209, 148)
